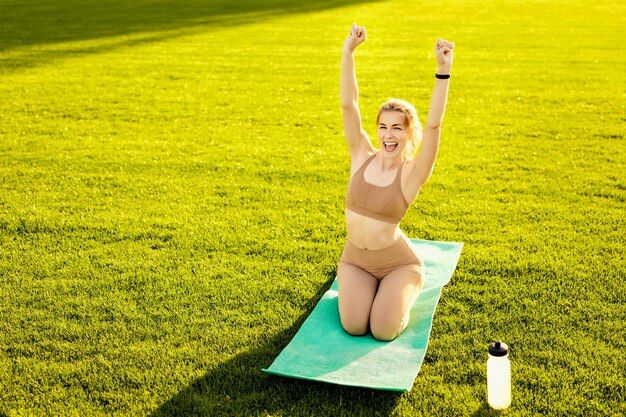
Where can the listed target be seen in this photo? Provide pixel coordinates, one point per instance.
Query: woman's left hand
(443, 52)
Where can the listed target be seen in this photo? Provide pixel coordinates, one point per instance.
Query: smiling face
(402, 114)
(393, 134)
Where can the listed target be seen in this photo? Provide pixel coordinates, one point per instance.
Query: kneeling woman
(380, 274)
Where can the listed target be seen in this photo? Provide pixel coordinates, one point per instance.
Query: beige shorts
(400, 255)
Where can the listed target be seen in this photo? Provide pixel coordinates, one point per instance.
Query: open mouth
(390, 146)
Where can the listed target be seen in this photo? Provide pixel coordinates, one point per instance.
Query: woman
(379, 272)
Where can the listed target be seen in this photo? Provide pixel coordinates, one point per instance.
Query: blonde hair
(411, 122)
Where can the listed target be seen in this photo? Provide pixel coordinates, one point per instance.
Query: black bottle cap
(498, 348)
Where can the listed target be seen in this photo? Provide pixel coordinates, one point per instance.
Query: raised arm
(425, 161)
(355, 135)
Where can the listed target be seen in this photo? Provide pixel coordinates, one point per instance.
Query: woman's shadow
(238, 387)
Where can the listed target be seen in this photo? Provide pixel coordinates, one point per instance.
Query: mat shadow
(237, 387)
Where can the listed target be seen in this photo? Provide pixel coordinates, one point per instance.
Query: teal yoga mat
(323, 351)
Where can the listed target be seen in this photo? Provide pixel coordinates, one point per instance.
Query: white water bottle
(499, 376)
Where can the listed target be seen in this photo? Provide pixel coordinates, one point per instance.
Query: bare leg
(396, 294)
(357, 289)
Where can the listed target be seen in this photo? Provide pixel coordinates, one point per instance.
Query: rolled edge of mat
(341, 383)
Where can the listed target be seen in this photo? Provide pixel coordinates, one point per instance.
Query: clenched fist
(357, 36)
(443, 52)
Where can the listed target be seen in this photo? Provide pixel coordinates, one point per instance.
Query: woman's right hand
(357, 36)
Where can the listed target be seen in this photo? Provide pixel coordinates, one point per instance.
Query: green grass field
(172, 193)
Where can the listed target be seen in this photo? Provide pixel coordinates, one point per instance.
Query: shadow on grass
(486, 411)
(237, 387)
(30, 29)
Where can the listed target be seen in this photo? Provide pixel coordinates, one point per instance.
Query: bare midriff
(367, 233)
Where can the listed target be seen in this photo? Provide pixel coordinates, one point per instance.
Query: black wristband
(442, 76)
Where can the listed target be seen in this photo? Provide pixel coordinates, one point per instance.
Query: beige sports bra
(381, 203)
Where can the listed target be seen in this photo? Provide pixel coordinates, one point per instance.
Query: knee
(354, 328)
(385, 329)
(384, 334)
